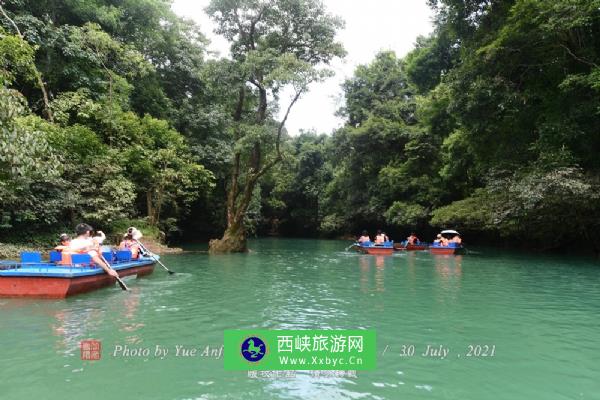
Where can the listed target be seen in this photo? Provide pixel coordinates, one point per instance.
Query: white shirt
(84, 245)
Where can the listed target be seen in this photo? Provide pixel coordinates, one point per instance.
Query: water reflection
(73, 325)
(379, 270)
(129, 323)
(448, 269)
(78, 322)
(411, 258)
(363, 263)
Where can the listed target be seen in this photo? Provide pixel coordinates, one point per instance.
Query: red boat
(410, 247)
(386, 249)
(379, 251)
(446, 249)
(49, 280)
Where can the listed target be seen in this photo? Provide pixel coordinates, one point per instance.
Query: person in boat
(364, 238)
(130, 242)
(380, 238)
(444, 241)
(65, 241)
(456, 239)
(386, 237)
(84, 243)
(412, 239)
(438, 239)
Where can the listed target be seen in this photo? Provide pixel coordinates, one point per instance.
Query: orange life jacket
(131, 246)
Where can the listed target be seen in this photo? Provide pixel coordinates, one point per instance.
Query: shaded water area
(542, 314)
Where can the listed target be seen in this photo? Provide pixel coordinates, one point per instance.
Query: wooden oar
(148, 252)
(352, 245)
(119, 281)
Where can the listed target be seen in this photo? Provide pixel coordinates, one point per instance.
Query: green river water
(542, 314)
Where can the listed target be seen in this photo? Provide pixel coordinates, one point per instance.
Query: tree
(382, 155)
(30, 65)
(26, 161)
(273, 44)
(164, 169)
(293, 194)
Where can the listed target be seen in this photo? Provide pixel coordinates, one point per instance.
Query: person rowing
(131, 242)
(412, 239)
(380, 238)
(364, 238)
(84, 243)
(135, 236)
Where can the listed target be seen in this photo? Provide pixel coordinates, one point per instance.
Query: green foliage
(274, 45)
(406, 214)
(13, 251)
(473, 213)
(119, 227)
(106, 65)
(548, 208)
(296, 190)
(164, 168)
(374, 87)
(91, 185)
(489, 125)
(429, 61)
(16, 59)
(26, 163)
(24, 154)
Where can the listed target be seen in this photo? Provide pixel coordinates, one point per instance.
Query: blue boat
(32, 277)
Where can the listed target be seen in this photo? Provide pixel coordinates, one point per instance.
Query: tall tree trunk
(234, 239)
(150, 207)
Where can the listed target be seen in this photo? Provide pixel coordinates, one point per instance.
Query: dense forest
(114, 112)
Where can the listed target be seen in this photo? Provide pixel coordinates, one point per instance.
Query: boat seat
(55, 256)
(124, 255)
(78, 259)
(108, 256)
(31, 257)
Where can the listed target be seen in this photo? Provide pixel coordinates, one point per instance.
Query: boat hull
(447, 250)
(378, 251)
(410, 247)
(58, 287)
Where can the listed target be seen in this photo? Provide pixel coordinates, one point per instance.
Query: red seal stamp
(90, 349)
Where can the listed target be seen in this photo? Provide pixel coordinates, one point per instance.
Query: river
(537, 318)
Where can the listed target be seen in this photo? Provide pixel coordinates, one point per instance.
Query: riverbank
(10, 250)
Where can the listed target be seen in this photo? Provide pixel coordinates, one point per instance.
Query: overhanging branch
(36, 72)
(278, 156)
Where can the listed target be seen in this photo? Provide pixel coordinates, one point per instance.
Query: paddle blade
(122, 284)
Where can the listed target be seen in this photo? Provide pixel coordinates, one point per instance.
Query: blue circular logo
(253, 349)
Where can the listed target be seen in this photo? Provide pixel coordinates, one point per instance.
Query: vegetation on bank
(112, 111)
(490, 125)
